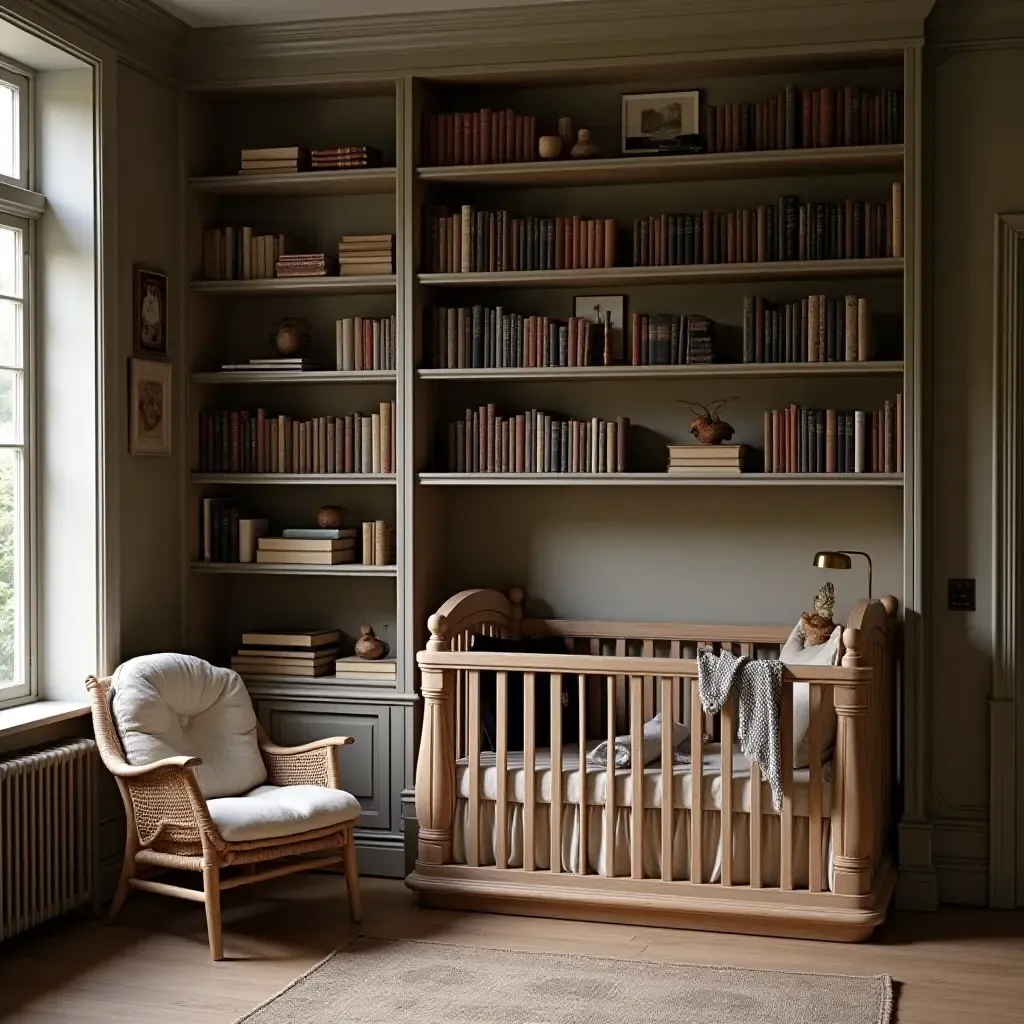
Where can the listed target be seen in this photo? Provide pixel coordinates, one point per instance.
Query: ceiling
(209, 13)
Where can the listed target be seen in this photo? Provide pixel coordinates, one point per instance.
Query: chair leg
(352, 878)
(127, 874)
(211, 893)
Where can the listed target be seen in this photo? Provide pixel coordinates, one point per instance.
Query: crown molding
(452, 41)
(137, 31)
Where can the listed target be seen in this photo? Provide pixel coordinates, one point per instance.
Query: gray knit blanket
(760, 687)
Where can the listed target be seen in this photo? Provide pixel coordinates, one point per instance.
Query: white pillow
(168, 704)
(795, 653)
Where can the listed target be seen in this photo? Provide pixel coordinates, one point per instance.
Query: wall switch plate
(961, 595)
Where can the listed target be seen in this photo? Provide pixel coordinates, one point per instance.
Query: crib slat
(501, 851)
(636, 774)
(786, 824)
(649, 691)
(814, 735)
(473, 715)
(754, 823)
(529, 767)
(696, 786)
(675, 651)
(556, 772)
(609, 798)
(727, 719)
(620, 686)
(583, 775)
(668, 717)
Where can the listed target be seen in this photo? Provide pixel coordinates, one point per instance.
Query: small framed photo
(594, 308)
(150, 314)
(149, 418)
(655, 120)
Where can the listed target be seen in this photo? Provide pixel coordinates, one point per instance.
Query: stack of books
(366, 254)
(268, 653)
(382, 670)
(282, 160)
(296, 364)
(339, 158)
(306, 264)
(335, 550)
(706, 459)
(378, 543)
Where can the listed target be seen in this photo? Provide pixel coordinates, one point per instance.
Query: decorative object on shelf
(150, 413)
(329, 517)
(369, 646)
(549, 147)
(653, 120)
(818, 625)
(565, 131)
(584, 149)
(709, 427)
(841, 560)
(609, 312)
(292, 336)
(150, 312)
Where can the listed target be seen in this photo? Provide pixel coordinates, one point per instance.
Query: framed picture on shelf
(149, 416)
(655, 121)
(150, 313)
(596, 308)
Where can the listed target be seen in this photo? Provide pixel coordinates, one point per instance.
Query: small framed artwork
(596, 308)
(656, 120)
(150, 314)
(149, 418)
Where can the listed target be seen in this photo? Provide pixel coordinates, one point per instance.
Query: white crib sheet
(596, 790)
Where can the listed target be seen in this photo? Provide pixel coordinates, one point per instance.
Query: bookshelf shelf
(270, 569)
(625, 277)
(296, 479)
(660, 480)
(377, 284)
(713, 371)
(357, 182)
(646, 170)
(307, 377)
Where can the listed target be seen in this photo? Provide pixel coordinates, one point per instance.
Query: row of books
(307, 653)
(665, 339)
(816, 329)
(366, 254)
(489, 336)
(292, 159)
(471, 240)
(238, 441)
(364, 343)
(484, 441)
(483, 137)
(226, 535)
(800, 440)
(306, 264)
(796, 118)
(236, 254)
(788, 230)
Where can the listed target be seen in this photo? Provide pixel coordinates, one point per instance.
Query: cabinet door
(365, 764)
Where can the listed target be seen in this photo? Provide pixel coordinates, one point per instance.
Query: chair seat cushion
(270, 812)
(168, 704)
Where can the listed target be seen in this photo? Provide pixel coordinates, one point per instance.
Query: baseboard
(963, 882)
(381, 854)
(917, 889)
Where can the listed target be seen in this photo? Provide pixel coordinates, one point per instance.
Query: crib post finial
(851, 643)
(516, 595)
(437, 624)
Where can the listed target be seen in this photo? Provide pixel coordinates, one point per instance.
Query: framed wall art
(150, 313)
(149, 418)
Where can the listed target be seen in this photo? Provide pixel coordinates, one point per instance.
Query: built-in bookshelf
(571, 539)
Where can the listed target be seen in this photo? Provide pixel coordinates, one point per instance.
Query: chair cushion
(168, 704)
(269, 812)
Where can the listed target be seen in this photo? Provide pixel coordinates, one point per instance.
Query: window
(14, 148)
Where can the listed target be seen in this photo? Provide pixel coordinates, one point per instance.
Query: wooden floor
(955, 966)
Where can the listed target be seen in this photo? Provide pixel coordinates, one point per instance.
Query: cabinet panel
(365, 765)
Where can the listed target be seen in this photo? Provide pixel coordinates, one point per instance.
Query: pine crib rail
(621, 691)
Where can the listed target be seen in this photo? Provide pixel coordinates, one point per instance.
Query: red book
(487, 131)
(457, 157)
(498, 151)
(509, 151)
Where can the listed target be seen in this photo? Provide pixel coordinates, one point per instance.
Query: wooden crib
(529, 832)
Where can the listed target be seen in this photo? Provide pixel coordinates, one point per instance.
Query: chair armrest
(140, 771)
(311, 764)
(167, 803)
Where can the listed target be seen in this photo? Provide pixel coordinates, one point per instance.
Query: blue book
(314, 534)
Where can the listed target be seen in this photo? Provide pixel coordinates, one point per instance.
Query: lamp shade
(832, 560)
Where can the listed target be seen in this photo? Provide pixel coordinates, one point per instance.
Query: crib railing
(627, 689)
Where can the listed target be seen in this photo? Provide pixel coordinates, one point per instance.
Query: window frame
(17, 78)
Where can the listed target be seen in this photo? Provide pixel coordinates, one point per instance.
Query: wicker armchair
(169, 824)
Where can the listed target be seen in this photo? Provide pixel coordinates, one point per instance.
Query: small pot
(329, 517)
(368, 645)
(550, 147)
(584, 148)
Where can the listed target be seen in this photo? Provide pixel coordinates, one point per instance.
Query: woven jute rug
(406, 982)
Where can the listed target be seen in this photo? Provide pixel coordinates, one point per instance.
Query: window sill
(26, 717)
